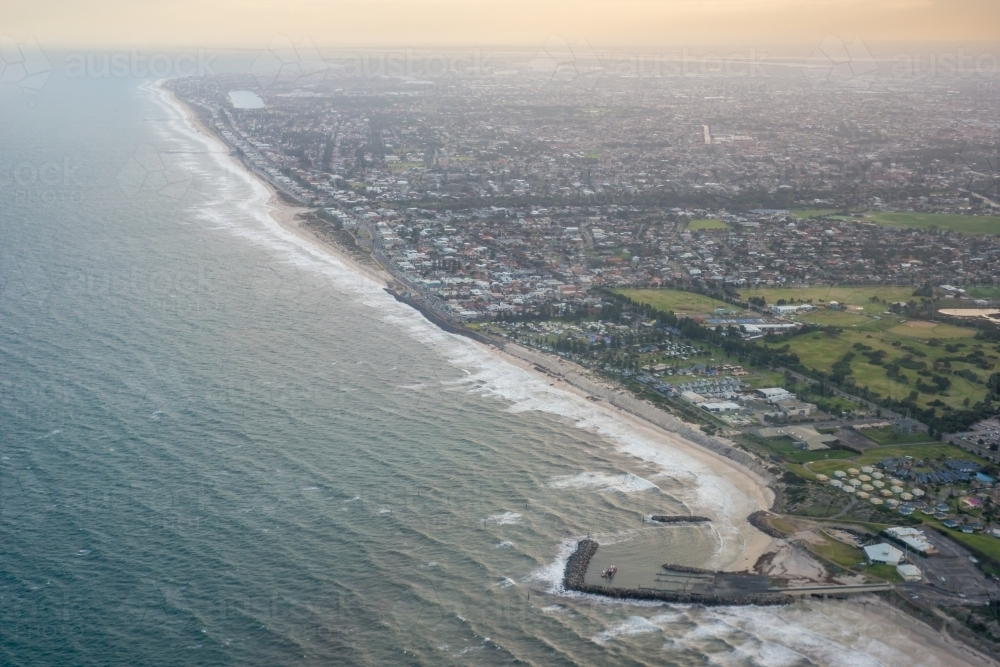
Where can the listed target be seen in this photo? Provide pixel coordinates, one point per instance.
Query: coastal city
(810, 277)
(510, 194)
(483, 333)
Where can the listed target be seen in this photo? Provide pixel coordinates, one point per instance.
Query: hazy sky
(251, 23)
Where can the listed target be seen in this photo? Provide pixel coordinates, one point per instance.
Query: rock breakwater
(578, 562)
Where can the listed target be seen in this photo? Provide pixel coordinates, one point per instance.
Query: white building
(912, 539)
(883, 553)
(775, 394)
(909, 573)
(721, 407)
(787, 310)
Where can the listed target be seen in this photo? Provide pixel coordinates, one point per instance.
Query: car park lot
(981, 439)
(951, 573)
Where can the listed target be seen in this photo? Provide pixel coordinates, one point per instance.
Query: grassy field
(964, 224)
(872, 456)
(983, 292)
(918, 329)
(705, 223)
(935, 451)
(910, 347)
(785, 449)
(827, 467)
(884, 572)
(823, 317)
(782, 525)
(682, 303)
(850, 296)
(837, 552)
(908, 344)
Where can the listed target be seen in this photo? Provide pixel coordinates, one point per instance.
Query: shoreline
(753, 486)
(284, 214)
(550, 369)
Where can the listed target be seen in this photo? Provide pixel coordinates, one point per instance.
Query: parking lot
(988, 431)
(951, 573)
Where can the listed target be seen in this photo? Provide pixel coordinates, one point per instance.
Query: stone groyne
(667, 518)
(579, 560)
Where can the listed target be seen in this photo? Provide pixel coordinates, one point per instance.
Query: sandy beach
(884, 619)
(565, 376)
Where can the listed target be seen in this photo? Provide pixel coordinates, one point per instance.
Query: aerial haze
(465, 332)
(766, 23)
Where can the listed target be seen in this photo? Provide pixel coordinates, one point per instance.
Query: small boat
(609, 573)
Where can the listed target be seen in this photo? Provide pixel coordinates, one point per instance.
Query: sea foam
(627, 483)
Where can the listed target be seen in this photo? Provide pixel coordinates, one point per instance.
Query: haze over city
(453, 332)
(632, 23)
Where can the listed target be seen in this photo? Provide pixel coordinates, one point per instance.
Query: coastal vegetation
(939, 373)
(939, 367)
(836, 551)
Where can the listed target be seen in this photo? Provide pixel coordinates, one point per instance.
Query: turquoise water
(220, 447)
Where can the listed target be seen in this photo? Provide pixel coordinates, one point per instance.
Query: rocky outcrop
(759, 521)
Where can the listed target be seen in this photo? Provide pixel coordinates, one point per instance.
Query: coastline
(748, 482)
(282, 212)
(567, 377)
(560, 374)
(557, 373)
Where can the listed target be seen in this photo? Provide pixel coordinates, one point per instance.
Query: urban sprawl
(807, 268)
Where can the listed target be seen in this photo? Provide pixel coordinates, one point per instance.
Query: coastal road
(423, 296)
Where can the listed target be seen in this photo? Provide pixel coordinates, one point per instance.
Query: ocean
(220, 446)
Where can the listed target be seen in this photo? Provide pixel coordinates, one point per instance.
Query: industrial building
(912, 539)
(775, 394)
